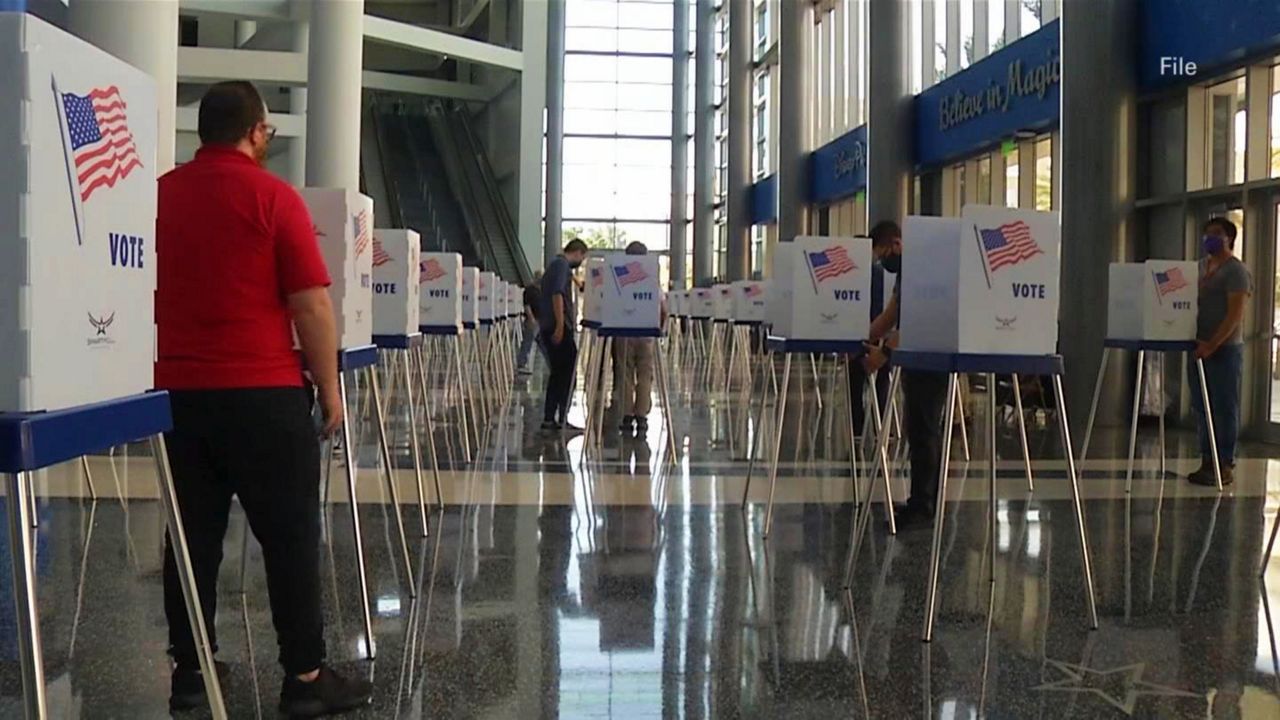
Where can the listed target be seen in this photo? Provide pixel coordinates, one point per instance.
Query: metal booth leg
(1208, 420)
(935, 554)
(463, 400)
(666, 405)
(21, 555)
(431, 431)
(1022, 434)
(1093, 407)
(1061, 403)
(880, 426)
(859, 527)
(410, 391)
(186, 577)
(777, 443)
(389, 471)
(991, 471)
(755, 436)
(88, 477)
(361, 569)
(1133, 422)
(964, 424)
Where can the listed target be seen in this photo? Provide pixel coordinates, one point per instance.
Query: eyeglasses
(271, 131)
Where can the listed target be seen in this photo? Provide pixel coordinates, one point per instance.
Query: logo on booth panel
(97, 144)
(830, 263)
(430, 270)
(100, 325)
(1169, 281)
(360, 223)
(380, 256)
(1006, 245)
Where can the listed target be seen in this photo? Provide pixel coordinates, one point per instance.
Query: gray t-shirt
(557, 280)
(1230, 277)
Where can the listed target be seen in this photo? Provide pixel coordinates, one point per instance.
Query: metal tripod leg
(388, 471)
(935, 555)
(1022, 433)
(666, 408)
(777, 444)
(22, 557)
(1133, 422)
(755, 436)
(964, 425)
(991, 472)
(880, 427)
(1061, 403)
(1208, 421)
(362, 572)
(431, 432)
(410, 392)
(88, 477)
(859, 527)
(1093, 406)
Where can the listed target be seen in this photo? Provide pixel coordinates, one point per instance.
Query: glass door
(1272, 327)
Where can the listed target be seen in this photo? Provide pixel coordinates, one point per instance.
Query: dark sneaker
(571, 429)
(627, 420)
(642, 424)
(1204, 471)
(912, 517)
(1208, 480)
(524, 371)
(186, 686)
(328, 694)
(549, 426)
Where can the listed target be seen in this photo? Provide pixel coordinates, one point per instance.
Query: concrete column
(679, 141)
(795, 23)
(703, 141)
(245, 30)
(555, 128)
(301, 37)
(334, 60)
(533, 103)
(143, 33)
(741, 48)
(889, 117)
(1099, 132)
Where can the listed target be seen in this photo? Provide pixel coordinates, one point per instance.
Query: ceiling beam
(201, 65)
(404, 35)
(287, 125)
(395, 82)
(255, 9)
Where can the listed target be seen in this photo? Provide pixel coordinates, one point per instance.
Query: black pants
(924, 397)
(857, 379)
(258, 444)
(562, 358)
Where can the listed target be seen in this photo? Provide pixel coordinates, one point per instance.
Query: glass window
(958, 172)
(1225, 105)
(1044, 174)
(1011, 170)
(1275, 121)
(760, 125)
(1029, 21)
(762, 27)
(917, 31)
(984, 180)
(939, 40)
(995, 26)
(966, 33)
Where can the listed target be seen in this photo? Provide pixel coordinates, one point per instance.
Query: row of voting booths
(77, 285)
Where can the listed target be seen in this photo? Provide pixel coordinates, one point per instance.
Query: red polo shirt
(232, 241)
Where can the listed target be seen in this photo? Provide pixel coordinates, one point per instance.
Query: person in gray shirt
(1225, 286)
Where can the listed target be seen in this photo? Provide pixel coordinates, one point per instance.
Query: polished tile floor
(617, 585)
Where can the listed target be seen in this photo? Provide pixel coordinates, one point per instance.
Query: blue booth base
(787, 345)
(590, 324)
(630, 332)
(439, 330)
(398, 342)
(978, 363)
(1156, 345)
(30, 441)
(357, 357)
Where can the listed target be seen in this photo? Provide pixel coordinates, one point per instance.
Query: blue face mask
(1213, 244)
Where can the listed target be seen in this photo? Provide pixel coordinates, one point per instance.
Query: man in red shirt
(238, 271)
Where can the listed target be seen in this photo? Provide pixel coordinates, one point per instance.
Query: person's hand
(874, 359)
(332, 409)
(558, 335)
(1204, 349)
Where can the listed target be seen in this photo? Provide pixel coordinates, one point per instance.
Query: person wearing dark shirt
(238, 271)
(530, 329)
(1225, 287)
(556, 318)
(924, 393)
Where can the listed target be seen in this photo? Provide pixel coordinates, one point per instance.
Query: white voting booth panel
(631, 298)
(985, 283)
(830, 298)
(722, 302)
(440, 290)
(77, 221)
(593, 291)
(749, 300)
(1152, 300)
(515, 300)
(779, 291)
(395, 282)
(484, 296)
(470, 307)
(344, 229)
(674, 306)
(703, 304)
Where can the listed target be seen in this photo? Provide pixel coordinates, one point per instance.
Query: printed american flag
(380, 256)
(632, 272)
(363, 236)
(430, 271)
(1169, 281)
(830, 263)
(754, 290)
(1008, 244)
(597, 278)
(102, 147)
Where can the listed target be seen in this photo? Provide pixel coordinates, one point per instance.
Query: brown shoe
(1208, 480)
(1204, 471)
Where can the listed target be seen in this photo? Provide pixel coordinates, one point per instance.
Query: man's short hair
(229, 111)
(637, 248)
(575, 246)
(1228, 228)
(885, 231)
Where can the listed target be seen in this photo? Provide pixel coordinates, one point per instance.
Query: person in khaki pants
(633, 371)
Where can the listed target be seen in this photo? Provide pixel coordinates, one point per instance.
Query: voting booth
(1152, 300)
(77, 226)
(703, 306)
(343, 222)
(722, 302)
(593, 291)
(484, 297)
(440, 292)
(631, 302)
(986, 282)
(77, 324)
(470, 307)
(395, 282)
(749, 301)
(829, 287)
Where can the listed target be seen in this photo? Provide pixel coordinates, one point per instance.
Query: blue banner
(839, 168)
(1014, 89)
(1209, 33)
(13, 5)
(764, 201)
